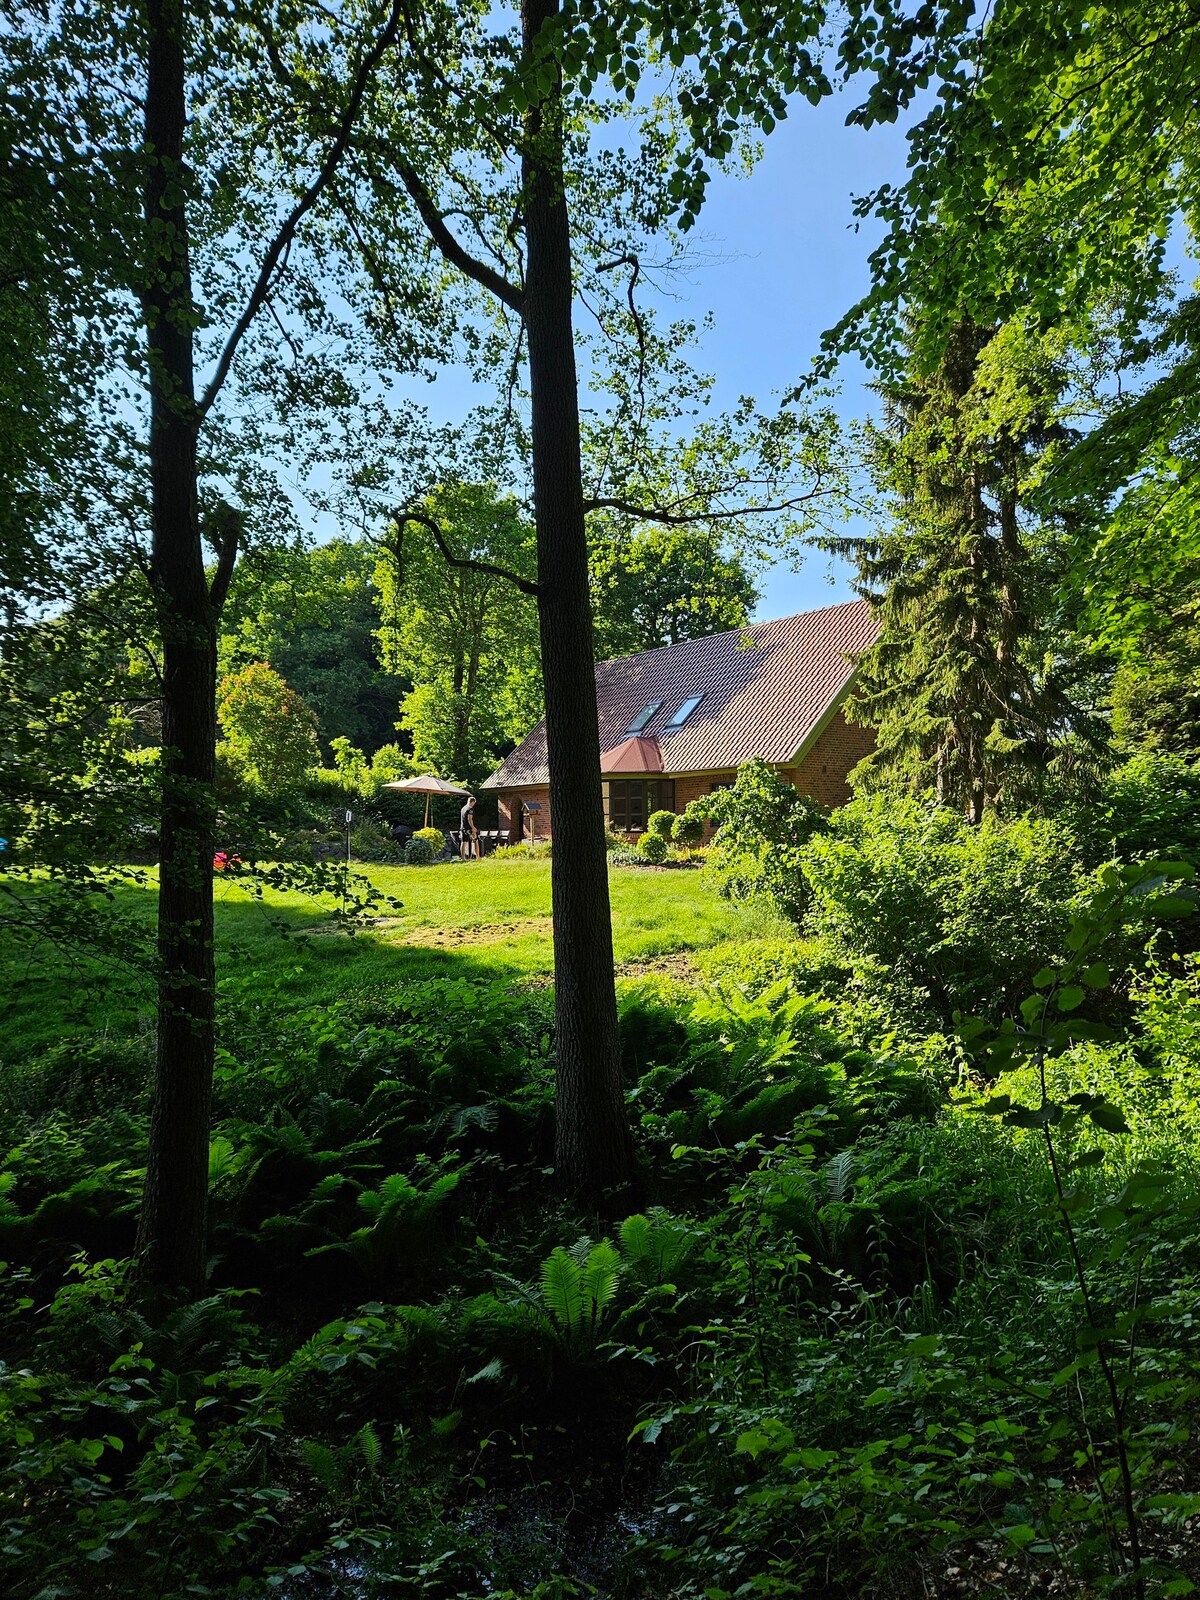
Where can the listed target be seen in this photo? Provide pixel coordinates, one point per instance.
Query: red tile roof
(765, 690)
(633, 755)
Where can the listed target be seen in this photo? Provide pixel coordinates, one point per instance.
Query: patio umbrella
(427, 785)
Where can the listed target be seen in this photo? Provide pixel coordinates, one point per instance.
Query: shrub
(652, 847)
(269, 731)
(762, 823)
(624, 856)
(934, 914)
(370, 841)
(661, 823)
(687, 829)
(1150, 806)
(613, 841)
(419, 852)
(435, 837)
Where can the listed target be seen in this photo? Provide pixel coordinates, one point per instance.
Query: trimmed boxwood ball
(652, 847)
(661, 823)
(687, 829)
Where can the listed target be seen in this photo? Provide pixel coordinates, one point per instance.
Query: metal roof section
(764, 690)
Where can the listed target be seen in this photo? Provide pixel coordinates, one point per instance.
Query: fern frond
(372, 1450)
(839, 1176)
(601, 1272)
(562, 1290)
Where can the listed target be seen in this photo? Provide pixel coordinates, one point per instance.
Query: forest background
(873, 1266)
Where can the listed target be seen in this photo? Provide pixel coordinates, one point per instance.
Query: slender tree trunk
(593, 1149)
(172, 1232)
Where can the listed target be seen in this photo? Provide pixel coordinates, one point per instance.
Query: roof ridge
(746, 627)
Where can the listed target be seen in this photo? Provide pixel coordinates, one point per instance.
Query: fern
(369, 1447)
(324, 1465)
(562, 1290)
(601, 1272)
(839, 1177)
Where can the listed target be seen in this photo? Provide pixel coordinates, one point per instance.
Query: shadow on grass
(104, 984)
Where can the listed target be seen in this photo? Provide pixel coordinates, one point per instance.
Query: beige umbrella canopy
(427, 785)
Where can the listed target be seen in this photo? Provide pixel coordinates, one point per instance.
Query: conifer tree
(964, 685)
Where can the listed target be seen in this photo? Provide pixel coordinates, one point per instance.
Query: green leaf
(1044, 977)
(562, 1289)
(1096, 976)
(1070, 998)
(1109, 1117)
(1043, 1116)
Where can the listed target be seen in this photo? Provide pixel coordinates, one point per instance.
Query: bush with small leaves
(661, 823)
(419, 852)
(652, 847)
(435, 837)
(687, 829)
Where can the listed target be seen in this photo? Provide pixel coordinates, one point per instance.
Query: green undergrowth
(891, 1301)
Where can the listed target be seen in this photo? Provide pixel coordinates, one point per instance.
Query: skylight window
(644, 718)
(684, 712)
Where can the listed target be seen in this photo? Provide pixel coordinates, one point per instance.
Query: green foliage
(433, 837)
(687, 829)
(467, 638)
(966, 685)
(923, 910)
(1156, 694)
(659, 585)
(1130, 1223)
(661, 823)
(762, 823)
(419, 852)
(270, 734)
(311, 615)
(1147, 806)
(652, 847)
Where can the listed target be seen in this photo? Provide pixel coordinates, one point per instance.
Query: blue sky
(781, 263)
(792, 265)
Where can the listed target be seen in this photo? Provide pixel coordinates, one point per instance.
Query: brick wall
(512, 817)
(822, 774)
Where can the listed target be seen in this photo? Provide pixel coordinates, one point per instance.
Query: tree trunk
(172, 1231)
(593, 1149)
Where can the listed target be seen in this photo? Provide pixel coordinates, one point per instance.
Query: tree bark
(593, 1148)
(172, 1231)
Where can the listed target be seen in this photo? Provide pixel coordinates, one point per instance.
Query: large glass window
(629, 801)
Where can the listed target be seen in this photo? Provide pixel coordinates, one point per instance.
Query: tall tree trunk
(593, 1149)
(172, 1232)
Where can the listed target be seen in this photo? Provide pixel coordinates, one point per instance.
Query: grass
(485, 919)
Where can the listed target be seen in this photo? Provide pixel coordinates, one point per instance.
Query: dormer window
(684, 712)
(643, 718)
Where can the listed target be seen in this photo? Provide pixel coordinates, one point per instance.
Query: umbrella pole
(427, 810)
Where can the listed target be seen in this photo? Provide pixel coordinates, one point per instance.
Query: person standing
(468, 832)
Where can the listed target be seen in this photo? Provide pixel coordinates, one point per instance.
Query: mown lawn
(479, 919)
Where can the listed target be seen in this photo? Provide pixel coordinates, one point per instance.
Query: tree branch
(303, 206)
(452, 250)
(526, 585)
(225, 534)
(681, 518)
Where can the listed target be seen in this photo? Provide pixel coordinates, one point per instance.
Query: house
(677, 722)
